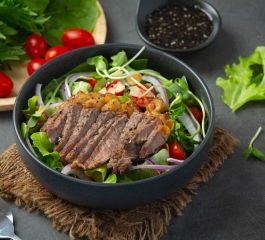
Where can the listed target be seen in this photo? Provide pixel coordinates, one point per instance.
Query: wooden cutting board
(19, 72)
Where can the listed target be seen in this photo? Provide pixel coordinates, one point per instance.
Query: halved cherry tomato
(36, 46)
(146, 99)
(6, 85)
(74, 38)
(35, 64)
(176, 150)
(115, 87)
(92, 82)
(197, 113)
(55, 52)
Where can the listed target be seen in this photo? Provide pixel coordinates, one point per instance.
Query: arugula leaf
(246, 81)
(69, 14)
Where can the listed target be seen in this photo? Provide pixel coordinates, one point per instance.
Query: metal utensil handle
(14, 237)
(7, 229)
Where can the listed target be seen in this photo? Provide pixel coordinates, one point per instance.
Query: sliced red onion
(161, 90)
(156, 167)
(153, 163)
(38, 93)
(174, 160)
(54, 105)
(65, 93)
(79, 173)
(69, 80)
(190, 125)
(29, 144)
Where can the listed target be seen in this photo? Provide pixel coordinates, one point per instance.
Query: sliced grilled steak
(107, 144)
(87, 117)
(128, 133)
(102, 118)
(91, 144)
(145, 128)
(71, 121)
(122, 159)
(126, 140)
(55, 128)
(154, 141)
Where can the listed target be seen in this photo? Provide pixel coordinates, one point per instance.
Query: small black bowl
(121, 195)
(146, 7)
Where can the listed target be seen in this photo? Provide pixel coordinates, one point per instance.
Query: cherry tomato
(176, 150)
(34, 64)
(6, 85)
(146, 99)
(55, 52)
(197, 113)
(74, 38)
(92, 82)
(36, 46)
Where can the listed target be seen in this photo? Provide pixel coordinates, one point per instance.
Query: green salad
(127, 80)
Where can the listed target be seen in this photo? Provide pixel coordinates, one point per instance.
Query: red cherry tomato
(197, 113)
(6, 85)
(36, 46)
(55, 52)
(35, 64)
(146, 99)
(92, 82)
(176, 150)
(74, 38)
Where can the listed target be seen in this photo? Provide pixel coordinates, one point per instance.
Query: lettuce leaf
(246, 81)
(44, 150)
(69, 14)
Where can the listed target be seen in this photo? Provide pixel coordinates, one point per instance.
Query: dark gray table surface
(232, 204)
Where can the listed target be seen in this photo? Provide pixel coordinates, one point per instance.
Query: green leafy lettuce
(245, 81)
(44, 150)
(69, 14)
(20, 18)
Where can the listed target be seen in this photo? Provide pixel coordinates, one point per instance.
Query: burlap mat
(146, 222)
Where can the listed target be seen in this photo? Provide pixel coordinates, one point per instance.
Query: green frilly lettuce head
(245, 81)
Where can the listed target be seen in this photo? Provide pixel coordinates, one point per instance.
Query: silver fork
(7, 229)
(6, 222)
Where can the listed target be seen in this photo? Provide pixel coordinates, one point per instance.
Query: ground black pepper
(178, 26)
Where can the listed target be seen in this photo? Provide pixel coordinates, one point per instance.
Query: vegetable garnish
(252, 150)
(122, 81)
(19, 19)
(245, 81)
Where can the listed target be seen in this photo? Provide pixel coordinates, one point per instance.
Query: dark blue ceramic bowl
(123, 195)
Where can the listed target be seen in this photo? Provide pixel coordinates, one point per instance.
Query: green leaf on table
(246, 81)
(257, 153)
(252, 150)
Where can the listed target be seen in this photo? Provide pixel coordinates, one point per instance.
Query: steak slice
(127, 137)
(55, 126)
(102, 118)
(130, 152)
(71, 121)
(154, 141)
(145, 128)
(87, 117)
(107, 144)
(91, 144)
(128, 133)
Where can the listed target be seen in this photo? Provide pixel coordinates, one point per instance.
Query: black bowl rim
(123, 46)
(209, 41)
